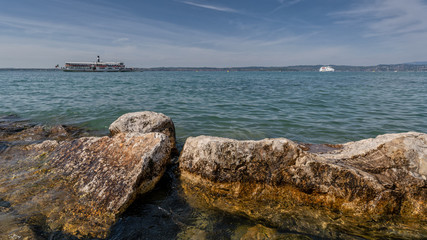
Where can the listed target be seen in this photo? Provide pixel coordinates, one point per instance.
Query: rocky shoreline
(63, 179)
(357, 188)
(80, 186)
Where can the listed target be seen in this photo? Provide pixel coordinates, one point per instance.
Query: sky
(212, 33)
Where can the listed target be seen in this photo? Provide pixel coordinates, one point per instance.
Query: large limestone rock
(80, 186)
(145, 122)
(374, 187)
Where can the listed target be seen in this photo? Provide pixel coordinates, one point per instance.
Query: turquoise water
(308, 107)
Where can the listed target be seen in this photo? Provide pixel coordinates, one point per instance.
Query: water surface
(302, 106)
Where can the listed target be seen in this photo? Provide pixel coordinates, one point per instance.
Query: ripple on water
(306, 106)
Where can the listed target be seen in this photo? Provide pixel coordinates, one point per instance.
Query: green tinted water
(308, 107)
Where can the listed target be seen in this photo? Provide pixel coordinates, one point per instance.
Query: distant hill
(417, 63)
(406, 67)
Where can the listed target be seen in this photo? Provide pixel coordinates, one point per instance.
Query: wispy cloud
(285, 3)
(210, 6)
(388, 17)
(121, 40)
(376, 31)
(395, 30)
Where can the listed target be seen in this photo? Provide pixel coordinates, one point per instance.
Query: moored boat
(326, 69)
(97, 66)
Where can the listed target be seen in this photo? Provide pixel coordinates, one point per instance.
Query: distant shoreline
(406, 67)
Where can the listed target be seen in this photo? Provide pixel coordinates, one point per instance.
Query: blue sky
(213, 33)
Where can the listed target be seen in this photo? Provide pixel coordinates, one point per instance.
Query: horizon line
(253, 66)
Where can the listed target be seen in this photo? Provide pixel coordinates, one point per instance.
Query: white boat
(326, 69)
(97, 66)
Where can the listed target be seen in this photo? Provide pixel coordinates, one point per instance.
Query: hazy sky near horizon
(212, 33)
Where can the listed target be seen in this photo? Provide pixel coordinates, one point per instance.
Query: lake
(308, 107)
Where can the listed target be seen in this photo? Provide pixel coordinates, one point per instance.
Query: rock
(108, 180)
(39, 133)
(25, 133)
(192, 234)
(145, 122)
(11, 124)
(11, 226)
(80, 186)
(373, 187)
(15, 130)
(260, 232)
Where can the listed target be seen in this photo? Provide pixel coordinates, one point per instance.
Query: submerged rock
(14, 130)
(374, 187)
(260, 232)
(80, 186)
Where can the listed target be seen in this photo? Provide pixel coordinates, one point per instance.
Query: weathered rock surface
(373, 188)
(19, 131)
(145, 122)
(260, 232)
(80, 186)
